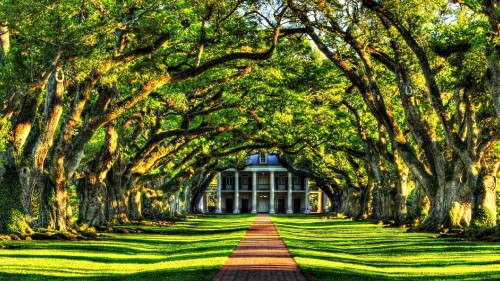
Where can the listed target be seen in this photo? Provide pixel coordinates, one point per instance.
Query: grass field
(190, 250)
(345, 250)
(197, 248)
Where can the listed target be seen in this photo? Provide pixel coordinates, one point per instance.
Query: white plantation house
(263, 186)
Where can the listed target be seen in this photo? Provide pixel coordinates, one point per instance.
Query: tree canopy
(391, 107)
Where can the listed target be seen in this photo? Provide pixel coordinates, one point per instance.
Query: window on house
(296, 180)
(244, 180)
(262, 158)
(281, 180)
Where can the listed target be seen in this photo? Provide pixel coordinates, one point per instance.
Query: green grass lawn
(190, 250)
(197, 248)
(346, 250)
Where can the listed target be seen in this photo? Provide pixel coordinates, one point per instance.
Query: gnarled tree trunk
(483, 187)
(92, 189)
(12, 213)
(116, 197)
(4, 43)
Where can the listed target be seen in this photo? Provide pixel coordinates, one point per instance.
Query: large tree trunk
(116, 204)
(400, 209)
(12, 211)
(92, 189)
(116, 195)
(369, 198)
(16, 182)
(58, 214)
(351, 206)
(460, 212)
(64, 216)
(490, 8)
(377, 203)
(493, 81)
(439, 216)
(92, 194)
(134, 211)
(4, 43)
(484, 205)
(47, 211)
(420, 204)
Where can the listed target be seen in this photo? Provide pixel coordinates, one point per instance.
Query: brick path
(261, 255)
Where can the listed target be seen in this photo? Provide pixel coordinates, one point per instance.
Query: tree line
(129, 107)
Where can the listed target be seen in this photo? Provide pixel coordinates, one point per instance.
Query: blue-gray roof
(271, 159)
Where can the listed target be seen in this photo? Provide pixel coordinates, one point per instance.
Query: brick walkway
(261, 255)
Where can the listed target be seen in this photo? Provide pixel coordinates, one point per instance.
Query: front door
(244, 205)
(229, 205)
(296, 205)
(263, 205)
(281, 205)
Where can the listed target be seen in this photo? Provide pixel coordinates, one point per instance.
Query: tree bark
(370, 199)
(4, 43)
(116, 197)
(134, 211)
(491, 9)
(12, 211)
(92, 206)
(420, 205)
(439, 216)
(92, 188)
(400, 207)
(493, 81)
(483, 185)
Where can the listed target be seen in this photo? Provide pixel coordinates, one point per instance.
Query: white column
(271, 193)
(307, 211)
(289, 209)
(205, 202)
(236, 193)
(218, 209)
(200, 205)
(325, 202)
(254, 193)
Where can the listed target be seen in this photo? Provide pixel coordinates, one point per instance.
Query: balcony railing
(263, 187)
(280, 187)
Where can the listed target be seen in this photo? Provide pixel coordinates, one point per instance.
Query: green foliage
(12, 218)
(483, 218)
(498, 205)
(4, 128)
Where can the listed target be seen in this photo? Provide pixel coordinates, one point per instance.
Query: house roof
(271, 159)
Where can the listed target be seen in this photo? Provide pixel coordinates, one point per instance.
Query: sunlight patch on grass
(347, 250)
(190, 250)
(59, 267)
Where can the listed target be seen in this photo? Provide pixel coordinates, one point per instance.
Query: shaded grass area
(332, 249)
(190, 250)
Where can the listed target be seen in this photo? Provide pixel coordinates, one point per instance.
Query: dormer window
(262, 158)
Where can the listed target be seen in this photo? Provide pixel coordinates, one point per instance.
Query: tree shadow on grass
(205, 273)
(208, 252)
(438, 263)
(356, 275)
(363, 251)
(125, 243)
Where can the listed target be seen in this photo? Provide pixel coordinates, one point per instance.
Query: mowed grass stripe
(328, 249)
(191, 250)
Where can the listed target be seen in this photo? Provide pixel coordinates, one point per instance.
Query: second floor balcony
(263, 187)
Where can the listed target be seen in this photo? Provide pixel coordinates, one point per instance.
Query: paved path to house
(261, 255)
